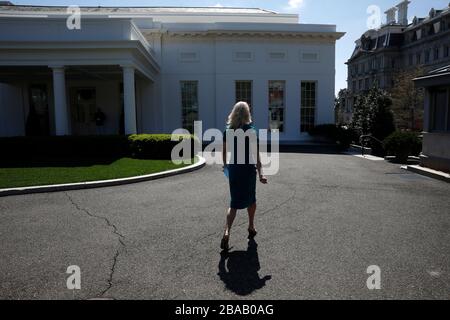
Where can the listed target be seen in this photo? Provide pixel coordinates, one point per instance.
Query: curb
(102, 183)
(430, 173)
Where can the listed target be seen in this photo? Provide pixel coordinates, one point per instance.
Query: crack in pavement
(115, 231)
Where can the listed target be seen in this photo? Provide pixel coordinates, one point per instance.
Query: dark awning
(438, 77)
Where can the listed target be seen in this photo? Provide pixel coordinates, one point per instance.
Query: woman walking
(242, 176)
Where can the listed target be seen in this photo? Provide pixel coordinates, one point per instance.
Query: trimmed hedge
(403, 144)
(63, 147)
(342, 136)
(142, 146)
(156, 146)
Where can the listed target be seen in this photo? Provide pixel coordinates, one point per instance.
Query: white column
(129, 100)
(59, 93)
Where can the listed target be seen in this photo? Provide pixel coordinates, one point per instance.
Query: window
(418, 58)
(446, 51)
(308, 105)
(354, 86)
(242, 56)
(374, 64)
(39, 104)
(360, 84)
(436, 53)
(410, 61)
(419, 34)
(309, 57)
(84, 105)
(440, 110)
(366, 84)
(189, 56)
(437, 27)
(427, 56)
(189, 104)
(276, 105)
(277, 56)
(243, 90)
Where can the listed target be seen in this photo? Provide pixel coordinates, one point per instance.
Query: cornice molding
(324, 36)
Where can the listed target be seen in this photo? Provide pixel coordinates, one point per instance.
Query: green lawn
(69, 171)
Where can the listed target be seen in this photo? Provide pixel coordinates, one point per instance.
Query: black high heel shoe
(225, 243)
(252, 233)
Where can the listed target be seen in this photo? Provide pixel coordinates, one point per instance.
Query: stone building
(395, 47)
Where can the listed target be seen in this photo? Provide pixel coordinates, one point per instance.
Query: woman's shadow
(239, 270)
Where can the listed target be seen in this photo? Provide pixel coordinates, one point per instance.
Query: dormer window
(437, 27)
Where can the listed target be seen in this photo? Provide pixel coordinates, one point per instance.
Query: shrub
(142, 146)
(156, 146)
(63, 147)
(342, 136)
(403, 144)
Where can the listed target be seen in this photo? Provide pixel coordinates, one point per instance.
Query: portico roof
(41, 41)
(436, 77)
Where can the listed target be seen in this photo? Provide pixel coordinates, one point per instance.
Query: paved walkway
(322, 221)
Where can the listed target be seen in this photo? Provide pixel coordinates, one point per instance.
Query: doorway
(37, 122)
(83, 107)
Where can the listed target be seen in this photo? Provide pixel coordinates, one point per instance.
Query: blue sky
(349, 15)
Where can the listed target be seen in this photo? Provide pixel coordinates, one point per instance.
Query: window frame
(303, 98)
(283, 108)
(240, 89)
(436, 53)
(183, 114)
(236, 58)
(446, 52)
(446, 116)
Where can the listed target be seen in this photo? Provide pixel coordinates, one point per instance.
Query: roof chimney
(390, 15)
(403, 12)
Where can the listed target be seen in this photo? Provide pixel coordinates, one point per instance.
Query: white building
(154, 70)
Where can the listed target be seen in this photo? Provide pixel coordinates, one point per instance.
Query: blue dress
(242, 177)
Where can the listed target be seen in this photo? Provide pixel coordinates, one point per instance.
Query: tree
(339, 107)
(361, 117)
(407, 100)
(381, 118)
(372, 115)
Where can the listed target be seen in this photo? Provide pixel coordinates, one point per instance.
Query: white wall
(216, 72)
(12, 118)
(55, 29)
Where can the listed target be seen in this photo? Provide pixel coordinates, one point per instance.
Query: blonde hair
(239, 116)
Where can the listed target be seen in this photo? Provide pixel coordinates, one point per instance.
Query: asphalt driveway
(322, 221)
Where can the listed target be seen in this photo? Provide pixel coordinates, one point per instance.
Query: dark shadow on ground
(57, 162)
(239, 270)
